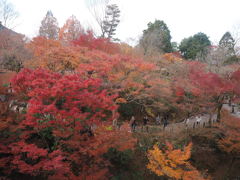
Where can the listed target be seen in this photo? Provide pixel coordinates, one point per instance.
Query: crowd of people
(158, 121)
(191, 122)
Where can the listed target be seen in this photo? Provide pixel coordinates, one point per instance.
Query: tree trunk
(219, 108)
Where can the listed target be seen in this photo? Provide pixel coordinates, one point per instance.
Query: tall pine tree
(111, 21)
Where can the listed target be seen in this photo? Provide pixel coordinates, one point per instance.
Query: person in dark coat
(145, 121)
(165, 121)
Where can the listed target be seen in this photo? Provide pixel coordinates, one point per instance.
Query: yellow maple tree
(172, 162)
(172, 57)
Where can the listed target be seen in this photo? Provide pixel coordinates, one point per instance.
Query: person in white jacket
(198, 120)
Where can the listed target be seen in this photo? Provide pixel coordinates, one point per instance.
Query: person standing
(198, 120)
(133, 123)
(158, 120)
(165, 123)
(145, 121)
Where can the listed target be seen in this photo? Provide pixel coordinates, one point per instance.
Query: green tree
(195, 46)
(49, 27)
(156, 38)
(174, 46)
(227, 42)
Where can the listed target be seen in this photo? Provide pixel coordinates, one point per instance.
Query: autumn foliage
(52, 55)
(57, 139)
(71, 30)
(230, 141)
(102, 44)
(173, 163)
(73, 89)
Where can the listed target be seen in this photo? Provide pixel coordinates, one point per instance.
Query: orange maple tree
(71, 30)
(53, 55)
(230, 142)
(172, 163)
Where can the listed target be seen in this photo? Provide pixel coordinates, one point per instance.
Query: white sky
(183, 17)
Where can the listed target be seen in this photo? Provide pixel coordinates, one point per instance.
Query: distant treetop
(156, 38)
(195, 46)
(228, 43)
(49, 27)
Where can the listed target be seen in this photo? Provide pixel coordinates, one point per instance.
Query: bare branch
(97, 8)
(7, 13)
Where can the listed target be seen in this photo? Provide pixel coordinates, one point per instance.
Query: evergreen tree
(156, 38)
(195, 46)
(111, 21)
(49, 27)
(227, 42)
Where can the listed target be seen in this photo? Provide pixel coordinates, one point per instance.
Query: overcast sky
(183, 17)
